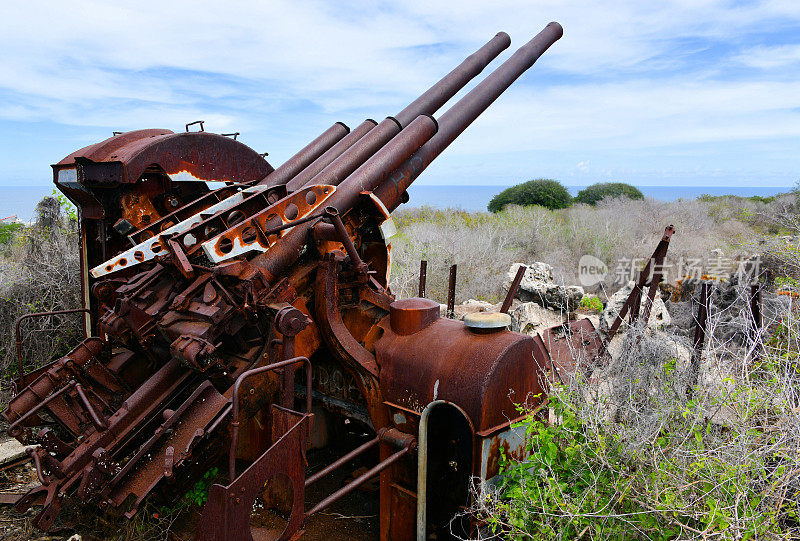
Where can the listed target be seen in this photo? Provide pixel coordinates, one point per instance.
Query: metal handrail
(235, 400)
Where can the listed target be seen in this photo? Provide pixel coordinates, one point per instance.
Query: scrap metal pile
(212, 315)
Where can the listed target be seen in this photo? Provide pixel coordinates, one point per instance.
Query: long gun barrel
(427, 104)
(456, 119)
(390, 184)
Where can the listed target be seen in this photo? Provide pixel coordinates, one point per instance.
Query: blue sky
(689, 92)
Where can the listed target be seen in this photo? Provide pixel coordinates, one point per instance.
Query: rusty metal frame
(632, 304)
(235, 416)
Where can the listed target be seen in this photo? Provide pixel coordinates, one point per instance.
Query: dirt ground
(355, 517)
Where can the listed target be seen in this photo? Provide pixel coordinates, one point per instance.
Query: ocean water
(21, 200)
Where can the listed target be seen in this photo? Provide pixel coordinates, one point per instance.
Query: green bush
(596, 192)
(9, 231)
(544, 192)
(590, 302)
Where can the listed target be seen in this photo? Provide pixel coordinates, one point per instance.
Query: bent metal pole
(456, 119)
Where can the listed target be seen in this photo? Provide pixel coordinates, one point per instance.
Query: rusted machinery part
(456, 119)
(406, 444)
(237, 386)
(512, 290)
(633, 302)
(365, 178)
(187, 317)
(305, 176)
(307, 155)
(451, 291)
(194, 155)
(423, 277)
(569, 346)
(700, 329)
(475, 371)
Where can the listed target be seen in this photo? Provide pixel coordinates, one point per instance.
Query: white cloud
(767, 58)
(621, 79)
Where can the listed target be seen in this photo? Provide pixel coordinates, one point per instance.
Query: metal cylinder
(302, 178)
(427, 104)
(277, 259)
(356, 155)
(306, 155)
(437, 95)
(456, 119)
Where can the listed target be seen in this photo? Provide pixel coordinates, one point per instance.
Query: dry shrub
(39, 271)
(637, 452)
(616, 230)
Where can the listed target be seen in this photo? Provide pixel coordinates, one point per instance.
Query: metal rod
(18, 334)
(43, 479)
(350, 487)
(98, 423)
(423, 276)
(235, 399)
(512, 291)
(451, 292)
(756, 319)
(700, 324)
(456, 119)
(37, 407)
(355, 260)
(343, 460)
(634, 299)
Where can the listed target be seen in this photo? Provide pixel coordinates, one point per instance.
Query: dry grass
(636, 457)
(39, 271)
(484, 245)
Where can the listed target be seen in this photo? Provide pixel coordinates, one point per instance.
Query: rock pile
(538, 286)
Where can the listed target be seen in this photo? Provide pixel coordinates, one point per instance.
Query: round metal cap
(487, 321)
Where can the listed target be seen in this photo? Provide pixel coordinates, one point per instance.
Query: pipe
(512, 291)
(355, 260)
(343, 460)
(456, 119)
(427, 104)
(98, 423)
(304, 176)
(451, 292)
(306, 155)
(423, 277)
(235, 400)
(374, 171)
(354, 484)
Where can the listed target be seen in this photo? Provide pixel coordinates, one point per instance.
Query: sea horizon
(21, 200)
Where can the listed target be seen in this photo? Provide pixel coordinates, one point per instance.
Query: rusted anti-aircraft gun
(211, 314)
